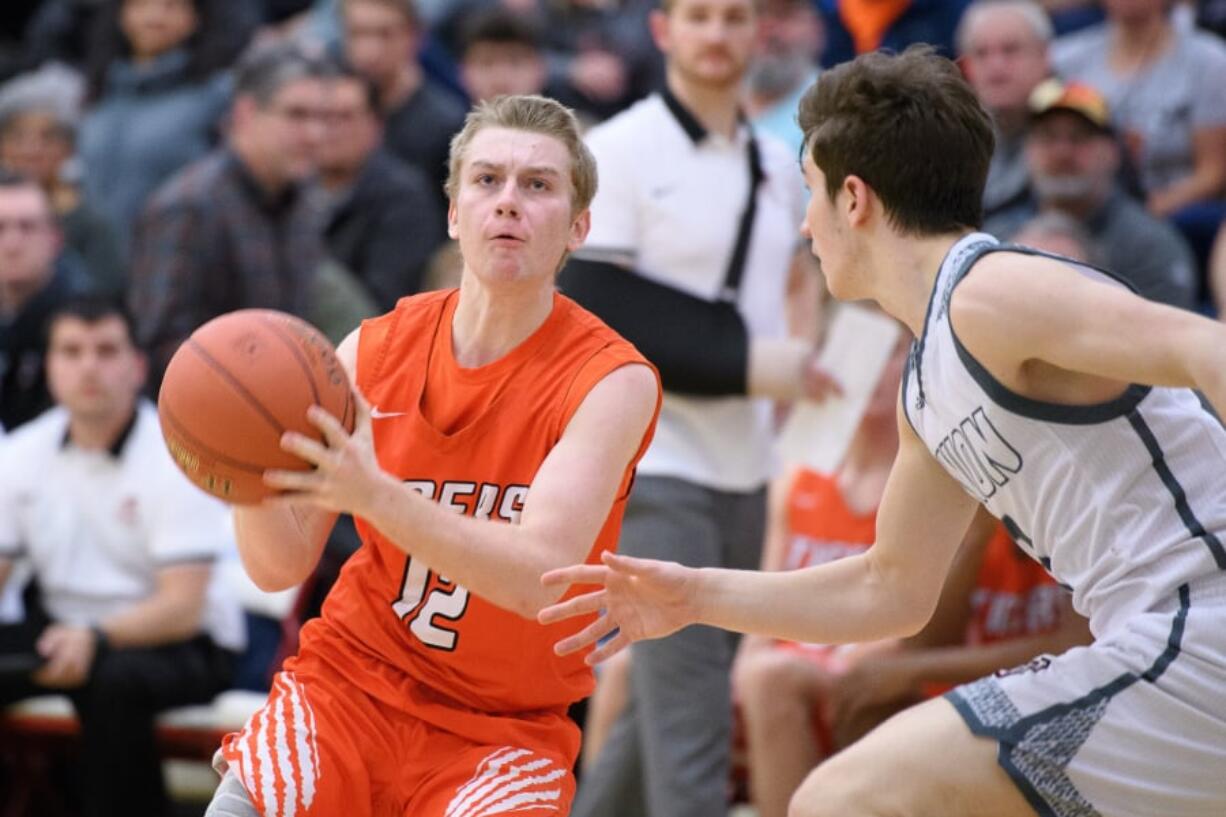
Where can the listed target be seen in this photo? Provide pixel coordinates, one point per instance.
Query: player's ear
(453, 224)
(857, 199)
(578, 230)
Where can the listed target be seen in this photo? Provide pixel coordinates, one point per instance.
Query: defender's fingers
(630, 565)
(575, 574)
(591, 634)
(607, 650)
(577, 606)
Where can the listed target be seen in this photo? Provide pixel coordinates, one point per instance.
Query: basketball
(235, 386)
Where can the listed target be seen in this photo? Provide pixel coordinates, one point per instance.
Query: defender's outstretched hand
(641, 598)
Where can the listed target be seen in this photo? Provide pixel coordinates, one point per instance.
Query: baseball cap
(1075, 97)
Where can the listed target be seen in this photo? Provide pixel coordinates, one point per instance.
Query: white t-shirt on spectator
(1157, 109)
(669, 203)
(98, 525)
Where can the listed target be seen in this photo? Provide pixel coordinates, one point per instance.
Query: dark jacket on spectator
(1146, 252)
(212, 241)
(419, 131)
(92, 237)
(149, 123)
(385, 229)
(23, 345)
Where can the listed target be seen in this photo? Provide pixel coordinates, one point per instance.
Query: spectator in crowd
(156, 93)
(682, 177)
(789, 43)
(1163, 83)
(1003, 45)
(1073, 160)
(859, 26)
(65, 31)
(34, 280)
(38, 119)
(383, 39)
(59, 31)
(597, 57)
(1068, 16)
(1058, 232)
(234, 229)
(383, 220)
(601, 60)
(122, 547)
(501, 53)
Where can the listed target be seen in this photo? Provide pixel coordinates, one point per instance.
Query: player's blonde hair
(535, 114)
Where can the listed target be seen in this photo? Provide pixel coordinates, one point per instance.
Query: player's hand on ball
(641, 598)
(346, 469)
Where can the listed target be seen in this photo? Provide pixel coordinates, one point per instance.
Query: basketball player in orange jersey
(497, 438)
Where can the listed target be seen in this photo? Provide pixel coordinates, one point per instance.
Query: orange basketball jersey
(471, 439)
(1014, 596)
(821, 527)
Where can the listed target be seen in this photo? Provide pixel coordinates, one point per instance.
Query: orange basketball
(235, 386)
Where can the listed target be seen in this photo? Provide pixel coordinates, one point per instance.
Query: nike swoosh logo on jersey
(376, 414)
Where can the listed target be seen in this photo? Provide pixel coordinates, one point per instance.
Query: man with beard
(789, 41)
(1073, 160)
(691, 257)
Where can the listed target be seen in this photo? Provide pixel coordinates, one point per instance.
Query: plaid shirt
(212, 241)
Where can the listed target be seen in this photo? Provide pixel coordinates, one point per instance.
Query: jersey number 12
(447, 602)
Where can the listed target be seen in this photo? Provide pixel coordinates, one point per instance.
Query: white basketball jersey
(1121, 501)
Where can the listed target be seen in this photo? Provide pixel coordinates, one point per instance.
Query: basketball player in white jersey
(1056, 398)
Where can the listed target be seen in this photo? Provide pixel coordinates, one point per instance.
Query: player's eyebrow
(531, 170)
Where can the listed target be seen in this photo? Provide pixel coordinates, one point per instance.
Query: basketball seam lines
(297, 353)
(195, 443)
(242, 390)
(350, 410)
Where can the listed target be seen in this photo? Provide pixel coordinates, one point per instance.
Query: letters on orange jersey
(427, 599)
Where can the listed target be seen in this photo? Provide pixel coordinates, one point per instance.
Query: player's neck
(716, 107)
(906, 270)
(99, 433)
(488, 325)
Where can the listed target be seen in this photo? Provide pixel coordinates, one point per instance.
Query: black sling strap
(740, 250)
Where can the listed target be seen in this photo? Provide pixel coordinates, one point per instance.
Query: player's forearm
(280, 545)
(1208, 371)
(161, 619)
(776, 367)
(959, 665)
(841, 602)
(500, 562)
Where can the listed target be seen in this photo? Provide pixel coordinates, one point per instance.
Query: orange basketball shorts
(322, 747)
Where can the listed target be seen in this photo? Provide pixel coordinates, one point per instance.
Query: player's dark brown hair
(909, 126)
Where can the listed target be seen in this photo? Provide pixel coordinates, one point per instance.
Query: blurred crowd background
(186, 158)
